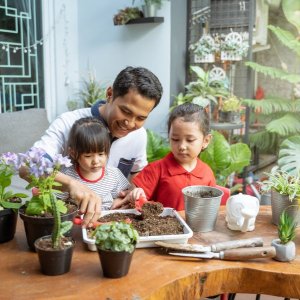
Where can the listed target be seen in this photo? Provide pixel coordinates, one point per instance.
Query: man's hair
(140, 79)
(88, 135)
(191, 112)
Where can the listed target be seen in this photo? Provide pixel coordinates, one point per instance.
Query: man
(134, 94)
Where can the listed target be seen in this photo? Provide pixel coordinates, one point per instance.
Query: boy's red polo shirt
(163, 180)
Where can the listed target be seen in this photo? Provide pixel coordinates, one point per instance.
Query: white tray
(148, 241)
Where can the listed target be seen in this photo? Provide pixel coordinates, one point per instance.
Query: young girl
(88, 147)
(163, 180)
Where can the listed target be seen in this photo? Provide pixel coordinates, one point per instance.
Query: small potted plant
(230, 110)
(204, 49)
(284, 245)
(115, 243)
(127, 14)
(150, 7)
(41, 212)
(285, 191)
(234, 46)
(10, 202)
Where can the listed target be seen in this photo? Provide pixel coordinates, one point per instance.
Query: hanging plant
(204, 49)
(234, 46)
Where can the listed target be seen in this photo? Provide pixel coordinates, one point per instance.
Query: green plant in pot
(55, 250)
(284, 245)
(230, 110)
(10, 202)
(115, 243)
(285, 194)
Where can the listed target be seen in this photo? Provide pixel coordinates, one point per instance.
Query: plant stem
(57, 221)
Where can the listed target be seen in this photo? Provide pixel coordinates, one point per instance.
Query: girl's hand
(137, 193)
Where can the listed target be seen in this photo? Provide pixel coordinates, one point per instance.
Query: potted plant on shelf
(284, 245)
(40, 213)
(115, 243)
(230, 110)
(10, 202)
(204, 49)
(150, 7)
(285, 192)
(127, 14)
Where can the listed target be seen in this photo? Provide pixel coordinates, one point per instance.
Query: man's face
(127, 113)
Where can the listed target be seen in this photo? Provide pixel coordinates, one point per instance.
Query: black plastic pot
(114, 264)
(36, 227)
(54, 261)
(8, 223)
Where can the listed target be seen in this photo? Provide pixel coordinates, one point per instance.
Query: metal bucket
(201, 209)
(281, 202)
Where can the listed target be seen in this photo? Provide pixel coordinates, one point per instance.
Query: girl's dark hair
(88, 135)
(140, 79)
(191, 112)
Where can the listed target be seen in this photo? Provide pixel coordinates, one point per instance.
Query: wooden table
(153, 275)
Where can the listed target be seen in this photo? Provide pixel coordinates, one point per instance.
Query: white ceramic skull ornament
(241, 212)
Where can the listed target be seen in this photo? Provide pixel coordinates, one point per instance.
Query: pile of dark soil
(151, 225)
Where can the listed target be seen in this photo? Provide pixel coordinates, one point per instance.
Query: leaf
(287, 125)
(65, 227)
(289, 155)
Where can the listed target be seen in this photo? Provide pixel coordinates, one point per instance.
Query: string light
(6, 46)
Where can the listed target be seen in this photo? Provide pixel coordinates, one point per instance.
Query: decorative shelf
(146, 20)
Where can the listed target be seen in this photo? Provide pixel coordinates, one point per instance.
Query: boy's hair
(140, 79)
(88, 135)
(191, 112)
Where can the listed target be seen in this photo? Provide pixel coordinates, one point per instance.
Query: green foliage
(202, 91)
(285, 120)
(157, 146)
(282, 182)
(289, 155)
(116, 236)
(127, 14)
(286, 228)
(91, 91)
(224, 158)
(232, 103)
(291, 10)
(6, 173)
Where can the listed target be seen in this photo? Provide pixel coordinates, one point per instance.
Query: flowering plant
(8, 199)
(206, 45)
(42, 172)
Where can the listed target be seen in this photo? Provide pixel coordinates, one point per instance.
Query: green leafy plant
(202, 91)
(42, 173)
(204, 46)
(224, 159)
(282, 182)
(286, 228)
(127, 14)
(91, 91)
(8, 168)
(116, 236)
(232, 103)
(280, 116)
(157, 146)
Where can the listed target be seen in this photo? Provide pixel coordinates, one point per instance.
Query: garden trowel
(234, 254)
(217, 247)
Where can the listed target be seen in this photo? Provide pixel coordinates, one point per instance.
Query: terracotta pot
(284, 252)
(36, 227)
(54, 261)
(8, 223)
(114, 264)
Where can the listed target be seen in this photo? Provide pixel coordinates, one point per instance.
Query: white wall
(107, 49)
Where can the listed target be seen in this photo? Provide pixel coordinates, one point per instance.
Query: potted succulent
(284, 245)
(115, 243)
(285, 191)
(44, 211)
(127, 14)
(230, 110)
(204, 49)
(10, 202)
